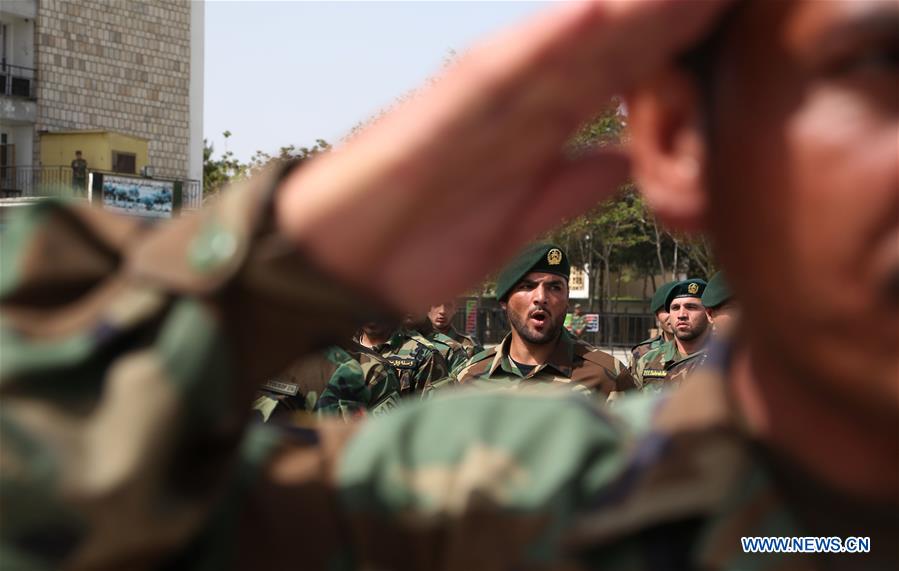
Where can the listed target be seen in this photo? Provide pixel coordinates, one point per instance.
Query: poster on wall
(136, 196)
(578, 283)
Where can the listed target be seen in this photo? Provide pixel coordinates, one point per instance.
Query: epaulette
(646, 342)
(598, 357)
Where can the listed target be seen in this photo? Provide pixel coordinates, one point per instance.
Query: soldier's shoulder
(477, 365)
(644, 346)
(448, 341)
(593, 355)
(653, 355)
(415, 341)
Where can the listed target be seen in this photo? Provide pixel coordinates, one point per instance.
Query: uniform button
(213, 249)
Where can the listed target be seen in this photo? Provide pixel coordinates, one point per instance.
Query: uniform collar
(561, 359)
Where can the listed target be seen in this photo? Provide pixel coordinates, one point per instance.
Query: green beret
(658, 298)
(685, 288)
(547, 258)
(717, 292)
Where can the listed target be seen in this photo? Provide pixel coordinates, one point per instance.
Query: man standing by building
(666, 333)
(672, 361)
(441, 317)
(79, 174)
(578, 323)
(533, 290)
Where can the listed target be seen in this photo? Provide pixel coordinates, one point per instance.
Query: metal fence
(21, 182)
(57, 181)
(615, 329)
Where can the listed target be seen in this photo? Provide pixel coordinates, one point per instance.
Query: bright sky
(281, 73)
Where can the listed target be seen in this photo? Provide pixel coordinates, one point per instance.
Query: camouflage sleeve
(359, 387)
(625, 380)
(498, 491)
(432, 370)
(130, 357)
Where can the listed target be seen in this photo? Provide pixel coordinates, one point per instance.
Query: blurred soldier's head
(381, 330)
(533, 290)
(720, 306)
(778, 138)
(441, 315)
(658, 307)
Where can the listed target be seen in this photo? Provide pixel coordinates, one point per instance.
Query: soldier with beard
(672, 361)
(533, 290)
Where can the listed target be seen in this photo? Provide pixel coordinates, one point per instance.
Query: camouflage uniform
(418, 362)
(451, 350)
(578, 323)
(346, 381)
(573, 363)
(128, 370)
(642, 348)
(468, 342)
(665, 365)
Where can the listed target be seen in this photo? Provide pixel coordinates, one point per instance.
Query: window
(125, 163)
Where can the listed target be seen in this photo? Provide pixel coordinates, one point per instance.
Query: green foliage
(226, 169)
(621, 237)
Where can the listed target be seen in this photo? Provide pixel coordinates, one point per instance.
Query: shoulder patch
(289, 389)
(401, 362)
(655, 373)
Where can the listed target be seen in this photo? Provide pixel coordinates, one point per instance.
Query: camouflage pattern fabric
(128, 372)
(665, 365)
(417, 362)
(643, 348)
(574, 364)
(131, 353)
(452, 351)
(468, 342)
(367, 383)
(578, 325)
(346, 381)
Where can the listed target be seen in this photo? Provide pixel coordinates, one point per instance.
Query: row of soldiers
(388, 360)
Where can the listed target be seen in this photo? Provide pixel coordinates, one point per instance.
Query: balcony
(34, 182)
(18, 81)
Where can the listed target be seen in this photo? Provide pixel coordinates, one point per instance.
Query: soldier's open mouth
(539, 317)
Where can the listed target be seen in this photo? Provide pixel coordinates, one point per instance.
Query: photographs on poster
(138, 196)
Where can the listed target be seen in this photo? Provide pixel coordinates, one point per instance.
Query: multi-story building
(121, 81)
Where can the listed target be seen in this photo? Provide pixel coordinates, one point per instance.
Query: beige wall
(118, 65)
(96, 149)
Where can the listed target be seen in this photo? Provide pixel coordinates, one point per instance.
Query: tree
(219, 172)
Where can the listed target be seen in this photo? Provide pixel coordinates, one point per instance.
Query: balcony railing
(18, 81)
(56, 181)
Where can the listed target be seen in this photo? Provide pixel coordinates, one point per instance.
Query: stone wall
(118, 65)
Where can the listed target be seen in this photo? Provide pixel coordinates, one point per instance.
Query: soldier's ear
(668, 149)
